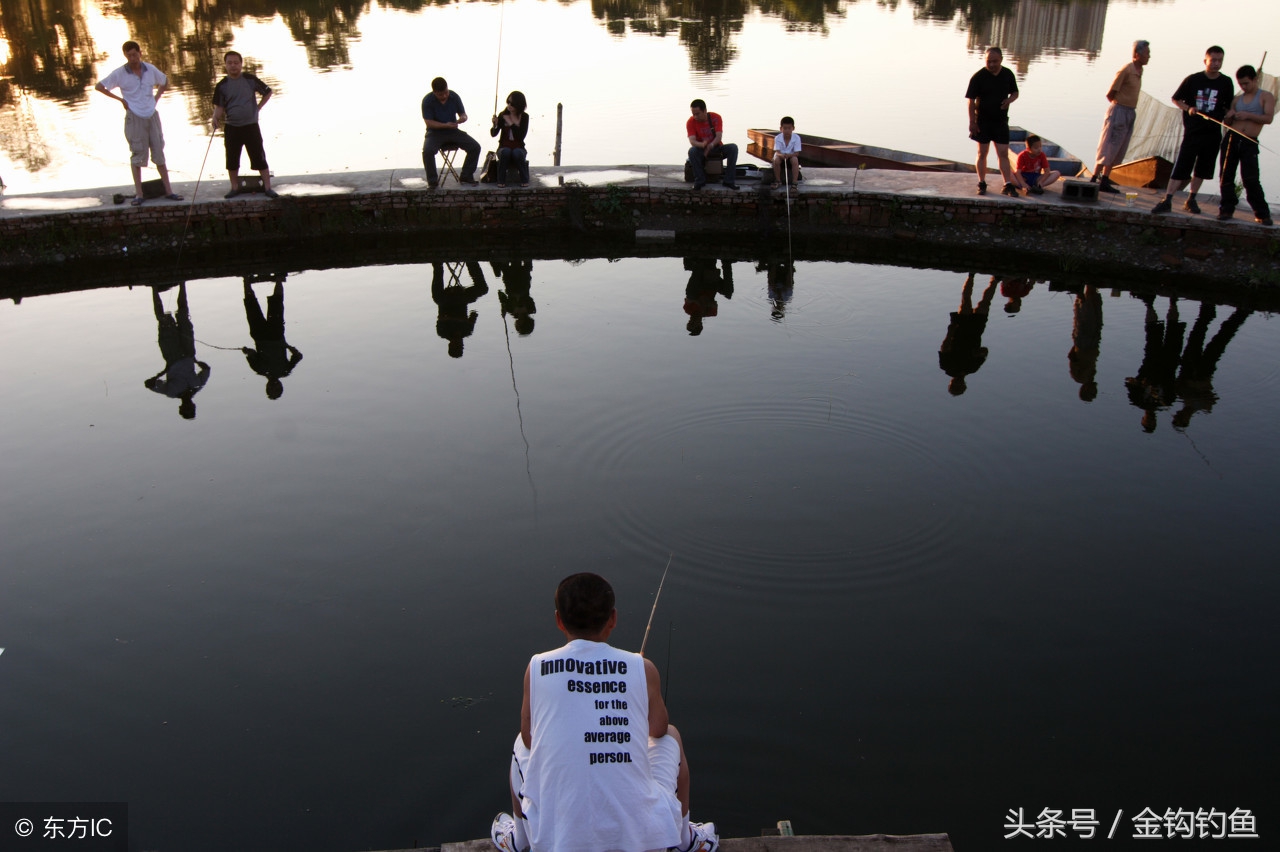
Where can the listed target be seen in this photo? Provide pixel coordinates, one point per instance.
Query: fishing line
(224, 348)
(645, 640)
(528, 469)
(212, 132)
(786, 185)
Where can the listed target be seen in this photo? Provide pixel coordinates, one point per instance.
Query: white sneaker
(703, 837)
(503, 833)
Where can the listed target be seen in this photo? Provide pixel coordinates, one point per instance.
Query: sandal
(502, 186)
(524, 185)
(173, 196)
(136, 201)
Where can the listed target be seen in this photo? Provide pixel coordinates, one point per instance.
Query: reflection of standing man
(1154, 386)
(1086, 342)
(962, 352)
(1202, 96)
(453, 323)
(1249, 113)
(1117, 127)
(1194, 385)
(137, 80)
(273, 358)
(183, 376)
(990, 93)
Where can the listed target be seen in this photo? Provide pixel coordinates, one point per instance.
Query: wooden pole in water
(555, 155)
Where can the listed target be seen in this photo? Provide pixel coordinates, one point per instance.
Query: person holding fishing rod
(511, 126)
(597, 765)
(1204, 98)
(236, 105)
(1252, 110)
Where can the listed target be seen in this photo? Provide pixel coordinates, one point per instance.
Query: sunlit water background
(301, 622)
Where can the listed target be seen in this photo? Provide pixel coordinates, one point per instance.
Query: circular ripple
(783, 496)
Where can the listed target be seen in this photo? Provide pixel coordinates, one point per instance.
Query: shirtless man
(1251, 110)
(1117, 127)
(596, 764)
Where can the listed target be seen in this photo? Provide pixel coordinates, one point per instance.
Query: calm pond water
(299, 622)
(349, 75)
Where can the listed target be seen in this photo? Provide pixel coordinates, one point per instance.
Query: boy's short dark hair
(786, 119)
(698, 102)
(231, 53)
(1032, 140)
(439, 84)
(130, 45)
(1247, 71)
(1215, 49)
(585, 602)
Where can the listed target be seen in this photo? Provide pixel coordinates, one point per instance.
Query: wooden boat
(1148, 172)
(1060, 160)
(821, 151)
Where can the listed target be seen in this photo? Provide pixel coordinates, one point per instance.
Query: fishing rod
(212, 132)
(498, 70)
(645, 640)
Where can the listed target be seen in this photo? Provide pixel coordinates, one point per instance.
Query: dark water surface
(300, 622)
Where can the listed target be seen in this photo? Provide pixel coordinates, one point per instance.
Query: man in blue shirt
(442, 111)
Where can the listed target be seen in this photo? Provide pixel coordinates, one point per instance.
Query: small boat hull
(824, 152)
(1146, 173)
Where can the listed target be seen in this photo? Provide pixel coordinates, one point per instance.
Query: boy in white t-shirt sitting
(596, 765)
(786, 150)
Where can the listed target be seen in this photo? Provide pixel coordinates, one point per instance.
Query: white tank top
(589, 786)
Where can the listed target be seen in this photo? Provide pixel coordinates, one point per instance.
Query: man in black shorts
(1202, 96)
(990, 92)
(236, 104)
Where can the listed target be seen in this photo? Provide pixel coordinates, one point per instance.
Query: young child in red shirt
(1032, 171)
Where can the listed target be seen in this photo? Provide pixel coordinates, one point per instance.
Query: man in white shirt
(141, 86)
(596, 767)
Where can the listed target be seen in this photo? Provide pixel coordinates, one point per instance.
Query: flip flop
(173, 196)
(136, 201)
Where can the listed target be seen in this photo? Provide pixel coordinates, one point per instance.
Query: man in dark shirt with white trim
(1204, 99)
(442, 111)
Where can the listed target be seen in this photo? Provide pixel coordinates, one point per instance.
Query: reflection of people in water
(1194, 385)
(454, 324)
(514, 297)
(183, 376)
(1086, 342)
(1154, 386)
(274, 359)
(705, 283)
(1015, 290)
(781, 278)
(962, 352)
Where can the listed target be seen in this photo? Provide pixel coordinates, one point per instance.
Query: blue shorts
(1032, 178)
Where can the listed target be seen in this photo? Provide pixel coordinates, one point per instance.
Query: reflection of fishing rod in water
(528, 470)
